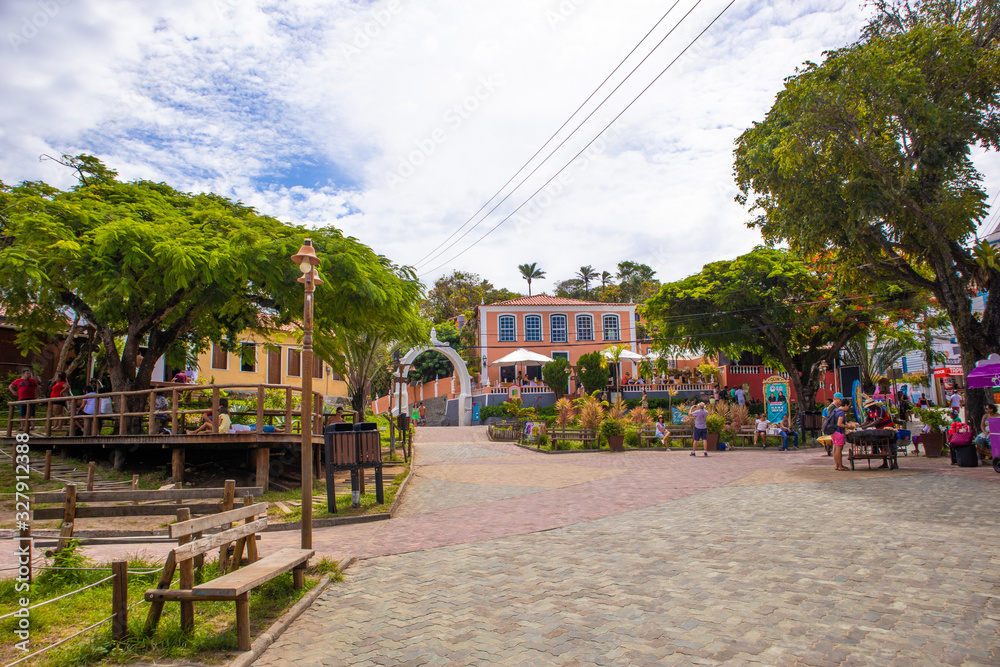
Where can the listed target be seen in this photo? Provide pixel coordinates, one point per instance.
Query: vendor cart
(876, 443)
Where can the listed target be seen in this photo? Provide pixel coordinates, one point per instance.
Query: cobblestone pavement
(739, 558)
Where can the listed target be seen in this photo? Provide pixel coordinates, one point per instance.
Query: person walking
(700, 415)
(26, 389)
(956, 404)
(839, 436)
(422, 414)
(741, 398)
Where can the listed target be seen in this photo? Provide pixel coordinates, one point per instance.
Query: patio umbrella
(522, 357)
(626, 355)
(986, 374)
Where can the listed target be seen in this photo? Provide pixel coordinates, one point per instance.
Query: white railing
(753, 370)
(483, 391)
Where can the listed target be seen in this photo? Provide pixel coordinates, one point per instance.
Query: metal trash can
(352, 447)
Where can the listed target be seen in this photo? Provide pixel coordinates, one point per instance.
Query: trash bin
(965, 456)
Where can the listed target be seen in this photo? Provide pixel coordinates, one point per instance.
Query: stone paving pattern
(738, 558)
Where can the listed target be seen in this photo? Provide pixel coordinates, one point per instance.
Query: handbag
(961, 437)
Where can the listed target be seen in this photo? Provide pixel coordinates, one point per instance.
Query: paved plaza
(504, 556)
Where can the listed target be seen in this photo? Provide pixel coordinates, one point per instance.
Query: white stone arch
(465, 380)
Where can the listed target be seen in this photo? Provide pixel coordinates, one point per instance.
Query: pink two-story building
(551, 326)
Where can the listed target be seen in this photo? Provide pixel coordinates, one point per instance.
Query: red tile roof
(545, 300)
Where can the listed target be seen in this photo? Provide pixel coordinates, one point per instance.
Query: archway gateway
(465, 380)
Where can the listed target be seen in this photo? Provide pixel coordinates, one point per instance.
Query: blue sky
(395, 120)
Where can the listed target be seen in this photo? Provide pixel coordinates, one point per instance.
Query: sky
(398, 120)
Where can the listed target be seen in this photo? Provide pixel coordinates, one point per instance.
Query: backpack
(830, 423)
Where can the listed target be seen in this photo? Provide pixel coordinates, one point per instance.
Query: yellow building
(276, 359)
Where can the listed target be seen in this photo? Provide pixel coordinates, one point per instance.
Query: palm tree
(874, 356)
(586, 274)
(606, 279)
(530, 272)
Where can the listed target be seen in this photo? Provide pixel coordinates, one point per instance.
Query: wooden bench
(679, 431)
(583, 435)
(235, 583)
(162, 502)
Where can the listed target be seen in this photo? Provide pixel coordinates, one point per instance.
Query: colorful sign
(776, 391)
(475, 412)
(679, 414)
(514, 391)
(532, 430)
(942, 372)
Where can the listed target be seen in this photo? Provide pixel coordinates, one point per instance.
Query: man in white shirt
(956, 404)
(740, 396)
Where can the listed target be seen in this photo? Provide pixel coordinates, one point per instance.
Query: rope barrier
(66, 595)
(61, 641)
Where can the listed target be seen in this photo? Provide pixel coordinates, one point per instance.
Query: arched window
(532, 328)
(611, 330)
(557, 329)
(508, 330)
(584, 327)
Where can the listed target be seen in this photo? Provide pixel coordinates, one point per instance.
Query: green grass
(344, 509)
(215, 622)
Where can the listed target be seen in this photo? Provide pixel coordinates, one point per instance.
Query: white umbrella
(626, 355)
(522, 356)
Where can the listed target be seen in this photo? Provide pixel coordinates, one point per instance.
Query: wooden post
(288, 410)
(48, 418)
(252, 554)
(261, 397)
(262, 461)
(48, 464)
(119, 460)
(69, 516)
(177, 465)
(228, 496)
(135, 487)
(243, 622)
(215, 410)
(121, 414)
(72, 417)
(187, 576)
(119, 600)
(90, 475)
(173, 412)
(156, 606)
(151, 426)
(25, 544)
(392, 434)
(10, 420)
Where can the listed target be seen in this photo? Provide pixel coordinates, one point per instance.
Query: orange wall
(489, 332)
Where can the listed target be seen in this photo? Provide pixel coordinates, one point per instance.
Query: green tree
(767, 302)
(144, 264)
(459, 293)
(555, 375)
(530, 272)
(592, 369)
(869, 153)
(875, 355)
(570, 289)
(586, 274)
(636, 281)
(606, 279)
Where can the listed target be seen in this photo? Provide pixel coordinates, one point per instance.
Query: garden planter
(932, 443)
(713, 442)
(616, 443)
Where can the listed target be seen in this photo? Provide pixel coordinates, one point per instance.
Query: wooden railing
(181, 397)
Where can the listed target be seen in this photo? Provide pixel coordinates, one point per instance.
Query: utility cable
(570, 135)
(588, 145)
(549, 140)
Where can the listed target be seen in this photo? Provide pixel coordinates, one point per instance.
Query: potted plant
(938, 421)
(715, 425)
(613, 429)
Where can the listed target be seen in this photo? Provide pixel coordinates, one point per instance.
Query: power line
(570, 135)
(433, 253)
(627, 107)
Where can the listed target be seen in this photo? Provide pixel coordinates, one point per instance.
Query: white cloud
(304, 109)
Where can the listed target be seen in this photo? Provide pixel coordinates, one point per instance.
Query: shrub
(632, 438)
(487, 411)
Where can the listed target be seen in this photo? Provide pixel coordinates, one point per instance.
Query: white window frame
(618, 327)
(552, 328)
(541, 328)
(500, 329)
(576, 322)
